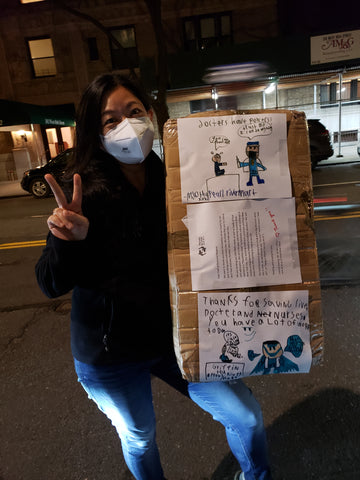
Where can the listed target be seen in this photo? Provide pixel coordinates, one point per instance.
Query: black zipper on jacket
(108, 321)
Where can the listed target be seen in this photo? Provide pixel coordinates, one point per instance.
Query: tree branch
(100, 26)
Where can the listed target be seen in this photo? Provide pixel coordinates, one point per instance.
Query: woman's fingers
(77, 194)
(60, 197)
(56, 189)
(67, 222)
(68, 225)
(57, 218)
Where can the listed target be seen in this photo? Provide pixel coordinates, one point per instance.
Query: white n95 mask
(131, 140)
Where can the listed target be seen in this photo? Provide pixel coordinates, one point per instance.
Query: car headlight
(27, 173)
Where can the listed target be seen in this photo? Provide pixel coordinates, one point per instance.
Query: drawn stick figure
(217, 164)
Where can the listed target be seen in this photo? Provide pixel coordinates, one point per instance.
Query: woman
(107, 243)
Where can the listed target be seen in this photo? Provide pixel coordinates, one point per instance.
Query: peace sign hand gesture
(67, 222)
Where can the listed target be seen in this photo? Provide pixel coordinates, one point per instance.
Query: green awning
(18, 113)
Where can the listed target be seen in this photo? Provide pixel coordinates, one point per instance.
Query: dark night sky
(312, 17)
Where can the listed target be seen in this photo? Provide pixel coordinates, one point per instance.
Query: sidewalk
(12, 189)
(348, 155)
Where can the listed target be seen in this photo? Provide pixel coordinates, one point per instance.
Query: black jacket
(120, 303)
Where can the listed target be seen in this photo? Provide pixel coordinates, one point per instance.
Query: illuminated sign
(335, 47)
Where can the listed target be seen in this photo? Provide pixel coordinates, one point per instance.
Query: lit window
(330, 93)
(127, 56)
(345, 91)
(42, 56)
(208, 104)
(30, 1)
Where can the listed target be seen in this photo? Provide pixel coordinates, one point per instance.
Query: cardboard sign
(250, 244)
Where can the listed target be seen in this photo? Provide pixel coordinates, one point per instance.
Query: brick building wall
(251, 19)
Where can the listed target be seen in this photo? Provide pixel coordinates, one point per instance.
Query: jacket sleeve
(60, 266)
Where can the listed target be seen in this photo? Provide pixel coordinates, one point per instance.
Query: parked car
(320, 143)
(33, 180)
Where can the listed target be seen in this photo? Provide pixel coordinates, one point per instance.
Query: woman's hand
(67, 222)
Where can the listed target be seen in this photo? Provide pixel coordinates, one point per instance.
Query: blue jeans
(123, 393)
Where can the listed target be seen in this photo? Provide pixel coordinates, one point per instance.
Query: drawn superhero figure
(254, 162)
(273, 359)
(217, 164)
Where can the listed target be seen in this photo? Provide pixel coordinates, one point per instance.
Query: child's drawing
(253, 162)
(253, 333)
(221, 138)
(216, 158)
(231, 347)
(231, 344)
(273, 359)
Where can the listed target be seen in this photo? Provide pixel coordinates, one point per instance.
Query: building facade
(51, 49)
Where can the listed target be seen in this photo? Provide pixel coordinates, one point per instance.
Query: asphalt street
(49, 430)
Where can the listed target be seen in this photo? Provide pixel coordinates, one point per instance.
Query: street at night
(197, 165)
(50, 430)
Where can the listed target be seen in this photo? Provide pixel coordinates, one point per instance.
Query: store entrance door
(56, 140)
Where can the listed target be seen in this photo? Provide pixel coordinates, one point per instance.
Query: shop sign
(54, 121)
(335, 47)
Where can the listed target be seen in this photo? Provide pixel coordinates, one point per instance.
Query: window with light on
(42, 56)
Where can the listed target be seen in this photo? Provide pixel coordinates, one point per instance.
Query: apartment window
(42, 56)
(345, 91)
(93, 48)
(207, 104)
(346, 136)
(331, 93)
(324, 93)
(206, 31)
(354, 89)
(127, 56)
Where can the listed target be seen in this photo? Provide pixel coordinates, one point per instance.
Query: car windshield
(61, 157)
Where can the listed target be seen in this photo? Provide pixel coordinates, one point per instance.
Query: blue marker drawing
(273, 359)
(254, 162)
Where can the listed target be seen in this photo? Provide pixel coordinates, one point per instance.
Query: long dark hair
(88, 121)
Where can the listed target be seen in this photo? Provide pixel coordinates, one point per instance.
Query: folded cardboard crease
(183, 299)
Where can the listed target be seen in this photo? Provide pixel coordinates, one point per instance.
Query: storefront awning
(18, 113)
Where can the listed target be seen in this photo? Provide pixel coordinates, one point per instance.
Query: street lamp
(272, 86)
(214, 96)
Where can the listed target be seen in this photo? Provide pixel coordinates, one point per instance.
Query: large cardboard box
(183, 299)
